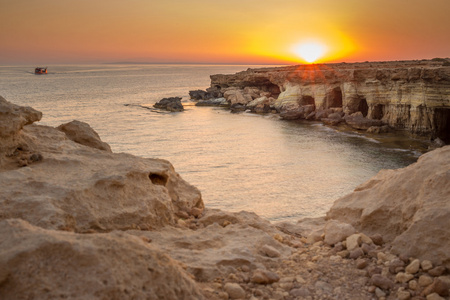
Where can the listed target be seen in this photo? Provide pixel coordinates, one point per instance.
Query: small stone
(270, 251)
(264, 277)
(336, 232)
(35, 157)
(403, 295)
(323, 286)
(413, 285)
(380, 293)
(367, 247)
(182, 214)
(23, 162)
(425, 280)
(395, 264)
(377, 239)
(361, 263)
(441, 287)
(234, 290)
(300, 280)
(426, 265)
(434, 296)
(403, 277)
(245, 268)
(371, 289)
(300, 293)
(196, 212)
(438, 271)
(413, 267)
(338, 247)
(356, 253)
(372, 270)
(343, 253)
(382, 282)
(353, 241)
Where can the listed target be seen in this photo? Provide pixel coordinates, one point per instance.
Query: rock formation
(172, 104)
(80, 222)
(411, 95)
(409, 207)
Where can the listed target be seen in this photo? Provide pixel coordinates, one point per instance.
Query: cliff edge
(409, 95)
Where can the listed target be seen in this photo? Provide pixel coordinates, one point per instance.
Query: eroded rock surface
(409, 207)
(46, 264)
(412, 95)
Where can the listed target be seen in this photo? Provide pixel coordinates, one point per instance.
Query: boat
(40, 70)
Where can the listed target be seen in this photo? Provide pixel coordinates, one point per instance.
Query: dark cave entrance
(334, 98)
(363, 107)
(307, 100)
(442, 124)
(378, 112)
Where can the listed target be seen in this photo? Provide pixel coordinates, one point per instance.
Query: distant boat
(40, 70)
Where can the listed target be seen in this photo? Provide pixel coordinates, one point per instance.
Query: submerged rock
(172, 104)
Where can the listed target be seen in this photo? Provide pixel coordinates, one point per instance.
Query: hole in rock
(442, 124)
(307, 100)
(378, 112)
(159, 179)
(363, 107)
(334, 98)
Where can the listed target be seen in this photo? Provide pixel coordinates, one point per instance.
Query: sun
(310, 51)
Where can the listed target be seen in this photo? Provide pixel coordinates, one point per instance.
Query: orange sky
(211, 31)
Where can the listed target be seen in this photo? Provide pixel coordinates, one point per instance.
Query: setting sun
(310, 51)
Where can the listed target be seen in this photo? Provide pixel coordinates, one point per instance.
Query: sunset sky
(211, 31)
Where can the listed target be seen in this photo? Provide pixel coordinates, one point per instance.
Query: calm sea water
(281, 170)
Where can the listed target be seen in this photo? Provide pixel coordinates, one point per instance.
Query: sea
(281, 170)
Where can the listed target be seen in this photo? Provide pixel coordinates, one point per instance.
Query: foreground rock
(69, 186)
(82, 133)
(409, 207)
(48, 264)
(172, 104)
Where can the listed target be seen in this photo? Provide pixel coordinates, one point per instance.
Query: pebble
(302, 292)
(434, 296)
(356, 253)
(413, 267)
(343, 253)
(425, 280)
(361, 263)
(367, 247)
(403, 277)
(382, 282)
(264, 277)
(377, 239)
(403, 295)
(380, 293)
(234, 290)
(426, 265)
(395, 264)
(353, 241)
(438, 271)
(413, 285)
(270, 251)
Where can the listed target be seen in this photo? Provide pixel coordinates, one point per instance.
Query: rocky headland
(374, 96)
(78, 221)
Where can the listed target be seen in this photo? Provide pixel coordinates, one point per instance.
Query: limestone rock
(413, 267)
(405, 205)
(79, 188)
(48, 264)
(353, 241)
(234, 290)
(83, 134)
(336, 231)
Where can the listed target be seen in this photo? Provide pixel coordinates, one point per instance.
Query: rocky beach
(81, 222)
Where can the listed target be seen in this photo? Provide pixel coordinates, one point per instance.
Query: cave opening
(307, 100)
(363, 107)
(334, 98)
(378, 112)
(442, 124)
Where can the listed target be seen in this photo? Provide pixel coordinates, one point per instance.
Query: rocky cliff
(80, 222)
(411, 95)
